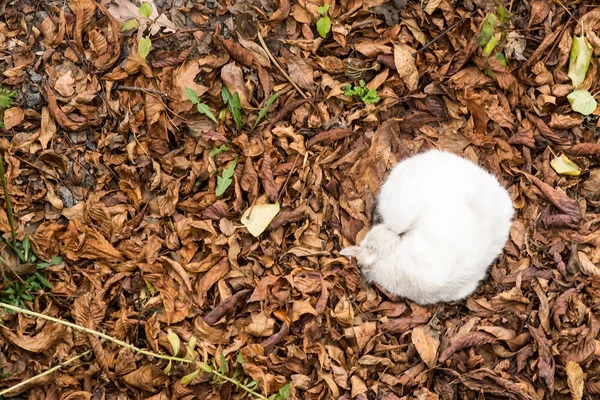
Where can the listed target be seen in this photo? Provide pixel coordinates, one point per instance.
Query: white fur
(445, 220)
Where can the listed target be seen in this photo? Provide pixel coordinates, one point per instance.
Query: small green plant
(6, 99)
(221, 375)
(218, 150)
(362, 93)
(202, 108)
(224, 181)
(234, 104)
(145, 43)
(18, 291)
(265, 109)
(489, 38)
(324, 23)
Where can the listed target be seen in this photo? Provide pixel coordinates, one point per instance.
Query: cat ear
(350, 251)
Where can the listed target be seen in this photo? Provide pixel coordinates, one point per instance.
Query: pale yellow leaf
(260, 217)
(564, 166)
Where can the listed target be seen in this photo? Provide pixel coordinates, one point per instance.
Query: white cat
(445, 220)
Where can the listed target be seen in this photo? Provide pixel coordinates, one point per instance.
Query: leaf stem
(51, 370)
(95, 333)
(237, 384)
(9, 211)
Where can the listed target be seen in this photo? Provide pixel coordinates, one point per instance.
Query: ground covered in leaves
(131, 196)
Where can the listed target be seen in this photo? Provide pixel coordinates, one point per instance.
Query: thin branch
(9, 211)
(441, 35)
(288, 178)
(264, 45)
(236, 383)
(51, 370)
(95, 333)
(139, 89)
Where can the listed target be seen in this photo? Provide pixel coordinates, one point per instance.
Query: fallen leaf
(564, 166)
(575, 380)
(426, 341)
(405, 65)
(256, 219)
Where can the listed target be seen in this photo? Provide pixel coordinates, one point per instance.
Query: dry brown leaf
(13, 117)
(575, 379)
(426, 341)
(405, 65)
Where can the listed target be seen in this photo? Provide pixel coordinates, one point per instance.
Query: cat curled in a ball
(442, 221)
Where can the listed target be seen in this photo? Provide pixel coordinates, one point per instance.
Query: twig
(288, 178)
(264, 45)
(179, 32)
(95, 333)
(444, 33)
(51, 370)
(9, 211)
(139, 89)
(559, 37)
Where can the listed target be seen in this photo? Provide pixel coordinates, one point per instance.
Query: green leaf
(503, 14)
(190, 377)
(490, 45)
(129, 24)
(175, 341)
(43, 280)
(240, 358)
(371, 97)
(56, 260)
(284, 392)
(226, 95)
(324, 26)
(192, 96)
(190, 348)
(218, 150)
(144, 46)
(223, 368)
(235, 106)
(487, 30)
(204, 367)
(6, 97)
(500, 57)
(26, 248)
(265, 109)
(225, 180)
(564, 166)
(582, 101)
(579, 60)
(167, 369)
(323, 9)
(204, 109)
(145, 10)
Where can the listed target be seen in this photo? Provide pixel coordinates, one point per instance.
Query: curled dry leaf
(575, 379)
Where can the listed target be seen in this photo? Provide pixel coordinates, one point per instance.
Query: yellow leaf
(260, 217)
(564, 166)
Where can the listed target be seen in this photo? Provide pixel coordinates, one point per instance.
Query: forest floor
(136, 136)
